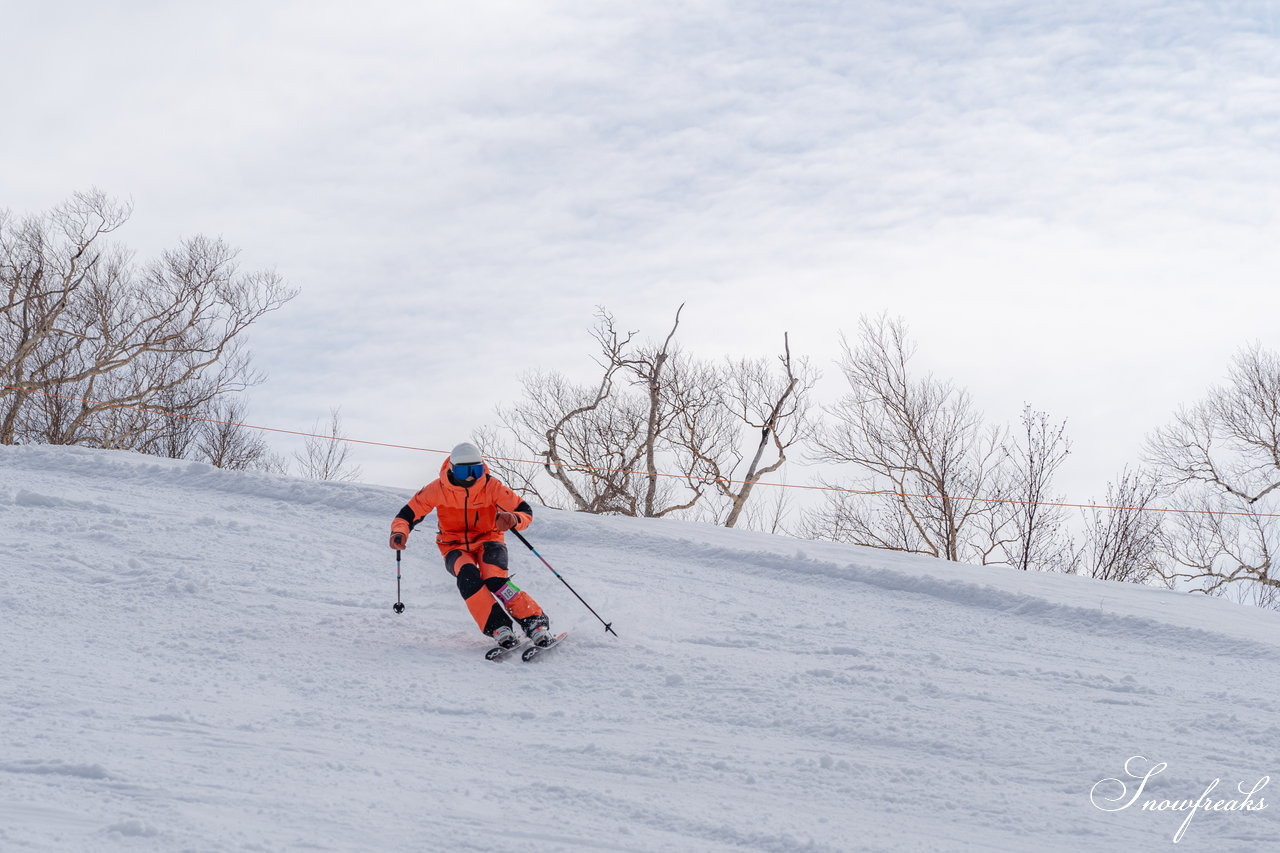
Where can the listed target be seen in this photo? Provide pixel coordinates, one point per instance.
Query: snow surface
(195, 659)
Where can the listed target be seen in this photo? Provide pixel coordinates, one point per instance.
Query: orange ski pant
(481, 573)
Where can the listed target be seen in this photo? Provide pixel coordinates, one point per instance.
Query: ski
(533, 651)
(500, 653)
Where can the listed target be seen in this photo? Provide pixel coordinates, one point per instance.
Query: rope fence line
(685, 477)
(163, 413)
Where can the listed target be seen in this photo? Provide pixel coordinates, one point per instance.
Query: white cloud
(1071, 204)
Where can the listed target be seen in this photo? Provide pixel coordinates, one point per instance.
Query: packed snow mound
(197, 659)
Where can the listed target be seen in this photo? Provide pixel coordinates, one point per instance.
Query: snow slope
(194, 659)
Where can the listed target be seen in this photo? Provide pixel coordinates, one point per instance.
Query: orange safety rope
(216, 421)
(685, 477)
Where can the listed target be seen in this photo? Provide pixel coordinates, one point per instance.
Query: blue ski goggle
(467, 472)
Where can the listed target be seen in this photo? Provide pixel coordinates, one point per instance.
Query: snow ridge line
(131, 467)
(1032, 608)
(55, 768)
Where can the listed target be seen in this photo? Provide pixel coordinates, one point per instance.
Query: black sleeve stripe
(406, 512)
(525, 508)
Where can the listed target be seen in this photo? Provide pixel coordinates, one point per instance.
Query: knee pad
(495, 554)
(469, 582)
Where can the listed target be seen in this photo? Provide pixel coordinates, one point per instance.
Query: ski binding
(533, 651)
(500, 653)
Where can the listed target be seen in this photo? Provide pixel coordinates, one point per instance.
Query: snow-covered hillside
(193, 659)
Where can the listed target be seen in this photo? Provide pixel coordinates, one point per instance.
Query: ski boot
(505, 637)
(538, 629)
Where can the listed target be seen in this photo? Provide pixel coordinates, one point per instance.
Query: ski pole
(399, 607)
(608, 626)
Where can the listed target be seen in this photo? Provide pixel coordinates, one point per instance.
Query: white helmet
(465, 454)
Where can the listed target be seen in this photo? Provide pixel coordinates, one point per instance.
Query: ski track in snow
(195, 659)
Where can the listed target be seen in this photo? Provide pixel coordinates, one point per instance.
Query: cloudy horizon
(1071, 207)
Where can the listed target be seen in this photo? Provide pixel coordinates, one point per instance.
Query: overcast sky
(1071, 204)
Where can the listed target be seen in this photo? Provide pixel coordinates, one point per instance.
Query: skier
(473, 510)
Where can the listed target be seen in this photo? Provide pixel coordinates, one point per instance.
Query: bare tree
(771, 515)
(508, 462)
(176, 433)
(602, 444)
(91, 342)
(746, 395)
(659, 434)
(1123, 539)
(224, 441)
(45, 262)
(588, 436)
(327, 457)
(1029, 532)
(1259, 595)
(671, 384)
(918, 441)
(1222, 457)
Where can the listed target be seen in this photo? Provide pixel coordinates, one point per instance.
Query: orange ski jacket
(466, 515)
